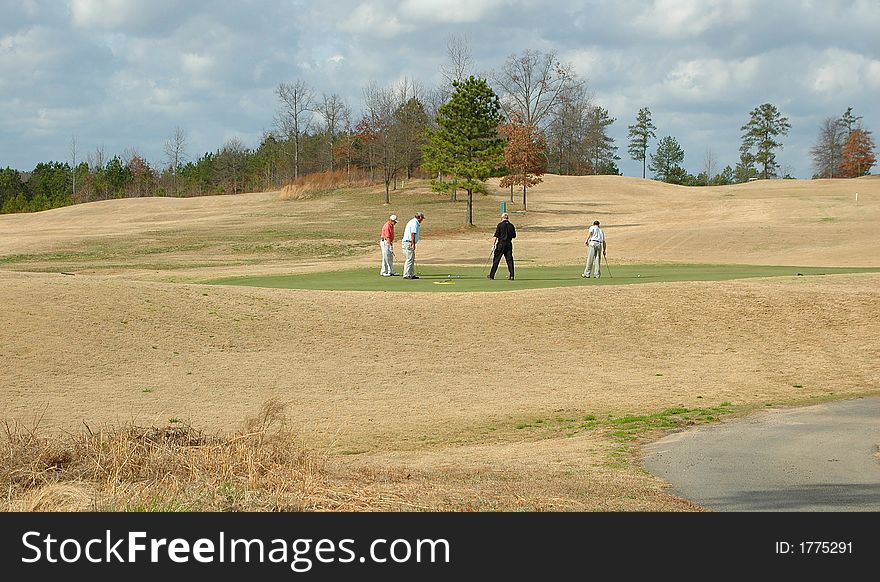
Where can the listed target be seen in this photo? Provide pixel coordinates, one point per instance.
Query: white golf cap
(393, 217)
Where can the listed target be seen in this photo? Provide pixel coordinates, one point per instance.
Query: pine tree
(764, 126)
(666, 162)
(848, 120)
(599, 145)
(639, 135)
(466, 145)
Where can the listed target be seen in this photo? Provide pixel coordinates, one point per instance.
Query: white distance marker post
(857, 196)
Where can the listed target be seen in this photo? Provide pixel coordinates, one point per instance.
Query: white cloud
(872, 75)
(198, 69)
(705, 80)
(374, 19)
(26, 53)
(588, 63)
(841, 73)
(449, 11)
(131, 16)
(678, 19)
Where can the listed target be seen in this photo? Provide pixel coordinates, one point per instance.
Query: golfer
(596, 244)
(505, 232)
(411, 235)
(386, 240)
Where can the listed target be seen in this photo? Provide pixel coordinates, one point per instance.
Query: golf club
(604, 256)
(491, 256)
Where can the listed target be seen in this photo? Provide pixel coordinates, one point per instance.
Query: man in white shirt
(408, 241)
(596, 244)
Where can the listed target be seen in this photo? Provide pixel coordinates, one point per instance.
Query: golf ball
(639, 275)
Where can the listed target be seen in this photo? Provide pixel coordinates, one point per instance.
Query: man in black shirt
(504, 235)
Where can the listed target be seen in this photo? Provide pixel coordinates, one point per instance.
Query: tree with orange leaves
(858, 154)
(525, 155)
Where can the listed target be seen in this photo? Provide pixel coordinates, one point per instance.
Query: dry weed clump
(307, 186)
(262, 467)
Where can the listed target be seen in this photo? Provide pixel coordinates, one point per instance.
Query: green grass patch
(445, 279)
(630, 427)
(627, 428)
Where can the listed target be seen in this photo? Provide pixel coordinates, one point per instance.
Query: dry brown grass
(262, 467)
(308, 186)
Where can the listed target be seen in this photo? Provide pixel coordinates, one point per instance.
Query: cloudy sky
(123, 74)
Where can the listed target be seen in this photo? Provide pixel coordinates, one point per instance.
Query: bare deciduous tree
(410, 122)
(532, 84)
(175, 153)
(709, 165)
(297, 99)
(827, 153)
(230, 163)
(333, 110)
(73, 163)
(381, 105)
(567, 132)
(96, 160)
(461, 63)
(142, 176)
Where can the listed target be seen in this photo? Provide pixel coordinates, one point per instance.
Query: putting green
(434, 278)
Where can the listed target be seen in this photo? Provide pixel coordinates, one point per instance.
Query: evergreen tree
(11, 186)
(760, 133)
(848, 120)
(639, 136)
(599, 145)
(727, 176)
(745, 168)
(466, 145)
(666, 162)
(48, 187)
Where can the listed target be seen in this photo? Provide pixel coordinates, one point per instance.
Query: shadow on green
(450, 278)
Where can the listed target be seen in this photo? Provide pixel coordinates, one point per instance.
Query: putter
(491, 256)
(604, 256)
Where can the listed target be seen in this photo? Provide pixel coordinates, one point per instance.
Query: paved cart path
(817, 458)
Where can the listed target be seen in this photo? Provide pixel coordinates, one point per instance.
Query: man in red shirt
(386, 240)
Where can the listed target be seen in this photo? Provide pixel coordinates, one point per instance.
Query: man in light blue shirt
(411, 236)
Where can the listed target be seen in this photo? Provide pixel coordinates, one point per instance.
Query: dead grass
(262, 467)
(306, 187)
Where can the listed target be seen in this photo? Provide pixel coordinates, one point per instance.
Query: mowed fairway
(534, 397)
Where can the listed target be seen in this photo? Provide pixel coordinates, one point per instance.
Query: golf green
(451, 278)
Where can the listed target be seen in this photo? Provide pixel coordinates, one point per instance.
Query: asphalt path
(817, 458)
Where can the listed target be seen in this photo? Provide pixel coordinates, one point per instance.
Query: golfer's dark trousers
(505, 249)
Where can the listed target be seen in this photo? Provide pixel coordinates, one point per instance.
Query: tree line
(531, 116)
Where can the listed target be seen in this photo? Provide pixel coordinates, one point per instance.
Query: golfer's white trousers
(409, 266)
(595, 254)
(387, 257)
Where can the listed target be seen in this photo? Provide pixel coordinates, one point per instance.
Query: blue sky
(123, 74)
